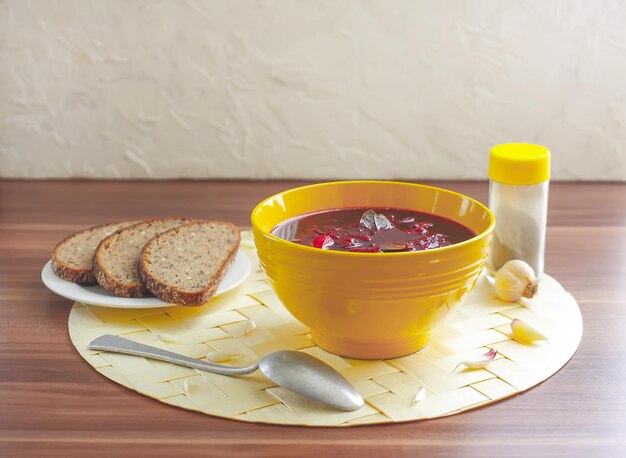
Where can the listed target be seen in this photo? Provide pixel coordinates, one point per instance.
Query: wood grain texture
(581, 411)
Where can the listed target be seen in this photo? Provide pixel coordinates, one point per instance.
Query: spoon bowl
(310, 377)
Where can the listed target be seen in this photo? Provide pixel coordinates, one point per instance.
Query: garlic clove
(168, 338)
(479, 362)
(515, 280)
(524, 332)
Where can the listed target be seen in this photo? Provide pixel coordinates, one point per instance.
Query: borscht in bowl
(371, 267)
(374, 230)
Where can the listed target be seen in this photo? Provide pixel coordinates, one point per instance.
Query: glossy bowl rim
(256, 225)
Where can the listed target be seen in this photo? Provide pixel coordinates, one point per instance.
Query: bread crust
(66, 272)
(174, 295)
(107, 280)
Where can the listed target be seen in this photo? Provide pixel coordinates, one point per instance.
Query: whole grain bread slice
(72, 257)
(186, 264)
(117, 257)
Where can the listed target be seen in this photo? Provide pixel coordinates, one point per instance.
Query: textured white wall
(312, 89)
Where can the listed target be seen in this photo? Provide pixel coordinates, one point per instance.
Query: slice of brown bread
(117, 257)
(72, 257)
(185, 265)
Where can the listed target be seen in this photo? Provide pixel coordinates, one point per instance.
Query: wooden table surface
(52, 403)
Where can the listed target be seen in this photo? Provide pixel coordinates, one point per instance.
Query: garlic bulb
(515, 280)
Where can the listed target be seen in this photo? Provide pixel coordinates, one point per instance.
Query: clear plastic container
(518, 197)
(521, 216)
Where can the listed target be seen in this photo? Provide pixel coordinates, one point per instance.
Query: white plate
(97, 295)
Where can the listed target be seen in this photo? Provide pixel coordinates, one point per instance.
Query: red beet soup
(372, 230)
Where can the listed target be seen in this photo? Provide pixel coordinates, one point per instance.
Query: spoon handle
(121, 345)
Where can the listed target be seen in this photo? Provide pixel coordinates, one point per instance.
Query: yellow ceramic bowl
(371, 305)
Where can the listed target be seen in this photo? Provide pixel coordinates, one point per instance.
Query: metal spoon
(297, 371)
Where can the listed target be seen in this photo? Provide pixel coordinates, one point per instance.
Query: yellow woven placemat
(389, 387)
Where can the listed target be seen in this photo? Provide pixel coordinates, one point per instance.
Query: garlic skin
(515, 280)
(222, 356)
(187, 386)
(250, 326)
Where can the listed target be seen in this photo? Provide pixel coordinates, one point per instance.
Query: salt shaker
(519, 175)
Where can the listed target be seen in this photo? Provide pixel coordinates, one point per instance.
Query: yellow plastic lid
(519, 163)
